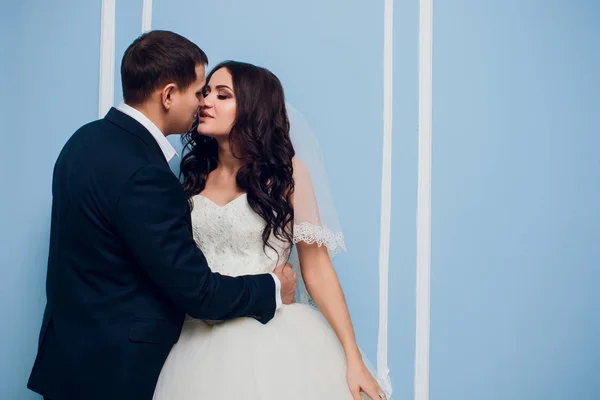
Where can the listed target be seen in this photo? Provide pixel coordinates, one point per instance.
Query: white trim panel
(423, 308)
(106, 90)
(147, 16)
(386, 199)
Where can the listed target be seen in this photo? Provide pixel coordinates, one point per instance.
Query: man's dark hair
(156, 58)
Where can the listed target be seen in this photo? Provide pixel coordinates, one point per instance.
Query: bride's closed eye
(221, 96)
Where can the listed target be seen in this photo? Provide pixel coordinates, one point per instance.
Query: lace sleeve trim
(309, 233)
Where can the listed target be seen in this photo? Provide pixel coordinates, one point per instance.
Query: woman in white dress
(254, 203)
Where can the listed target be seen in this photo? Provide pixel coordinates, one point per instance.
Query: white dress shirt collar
(166, 147)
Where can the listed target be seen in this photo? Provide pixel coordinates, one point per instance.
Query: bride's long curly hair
(260, 137)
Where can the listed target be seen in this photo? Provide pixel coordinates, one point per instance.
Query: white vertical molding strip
(386, 200)
(423, 308)
(147, 16)
(106, 88)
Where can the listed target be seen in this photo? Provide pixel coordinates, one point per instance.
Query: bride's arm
(322, 283)
(319, 276)
(324, 287)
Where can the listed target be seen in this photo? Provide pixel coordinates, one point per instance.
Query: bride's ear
(166, 95)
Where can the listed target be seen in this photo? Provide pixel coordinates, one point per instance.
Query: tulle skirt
(296, 356)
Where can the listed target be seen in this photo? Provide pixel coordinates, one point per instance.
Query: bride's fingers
(356, 394)
(374, 392)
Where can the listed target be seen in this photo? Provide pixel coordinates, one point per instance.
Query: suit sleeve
(151, 216)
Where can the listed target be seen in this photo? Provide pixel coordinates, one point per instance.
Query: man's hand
(287, 277)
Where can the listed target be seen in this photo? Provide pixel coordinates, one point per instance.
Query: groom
(123, 268)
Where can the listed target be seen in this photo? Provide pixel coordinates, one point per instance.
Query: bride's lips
(204, 114)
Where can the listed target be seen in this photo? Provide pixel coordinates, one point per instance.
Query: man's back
(105, 321)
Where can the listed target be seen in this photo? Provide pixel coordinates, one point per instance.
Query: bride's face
(217, 115)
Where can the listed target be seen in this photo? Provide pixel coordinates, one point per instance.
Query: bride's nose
(208, 101)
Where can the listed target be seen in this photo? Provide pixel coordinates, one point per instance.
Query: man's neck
(153, 113)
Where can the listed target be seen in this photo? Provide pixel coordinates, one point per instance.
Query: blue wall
(128, 25)
(515, 263)
(49, 75)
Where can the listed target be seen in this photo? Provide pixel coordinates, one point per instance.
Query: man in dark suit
(123, 268)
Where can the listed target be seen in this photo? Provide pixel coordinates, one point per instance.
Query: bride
(255, 198)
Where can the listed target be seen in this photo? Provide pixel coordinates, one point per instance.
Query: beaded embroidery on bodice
(230, 237)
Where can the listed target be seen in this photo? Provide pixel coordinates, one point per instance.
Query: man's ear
(166, 95)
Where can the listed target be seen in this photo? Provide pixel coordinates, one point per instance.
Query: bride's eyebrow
(223, 87)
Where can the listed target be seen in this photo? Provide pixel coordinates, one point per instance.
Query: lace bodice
(230, 237)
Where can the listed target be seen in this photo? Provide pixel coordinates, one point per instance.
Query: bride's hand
(360, 380)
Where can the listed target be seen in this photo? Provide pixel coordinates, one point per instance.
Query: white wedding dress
(296, 356)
